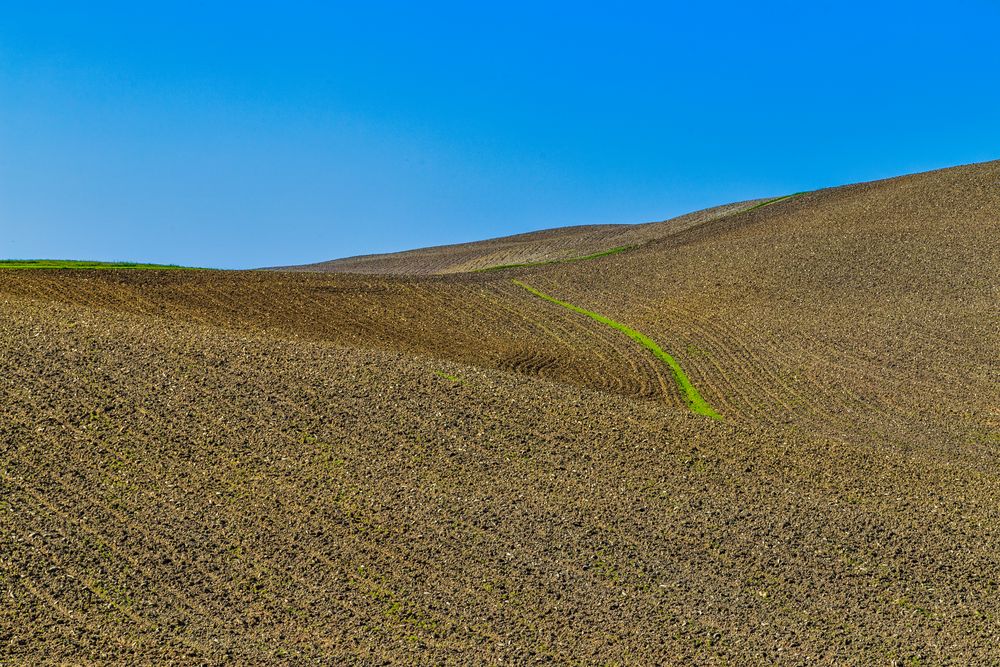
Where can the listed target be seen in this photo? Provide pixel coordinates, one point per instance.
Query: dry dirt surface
(325, 468)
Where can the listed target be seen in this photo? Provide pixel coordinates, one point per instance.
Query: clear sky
(253, 134)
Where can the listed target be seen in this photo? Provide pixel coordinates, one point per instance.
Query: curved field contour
(691, 395)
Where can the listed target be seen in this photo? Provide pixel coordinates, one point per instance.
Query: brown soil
(274, 467)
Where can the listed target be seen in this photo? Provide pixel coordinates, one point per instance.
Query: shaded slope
(490, 323)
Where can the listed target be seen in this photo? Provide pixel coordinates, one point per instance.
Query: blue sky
(252, 134)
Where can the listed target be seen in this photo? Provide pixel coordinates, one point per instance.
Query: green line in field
(691, 396)
(771, 201)
(602, 253)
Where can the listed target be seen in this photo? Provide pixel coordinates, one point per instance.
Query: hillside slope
(278, 466)
(545, 246)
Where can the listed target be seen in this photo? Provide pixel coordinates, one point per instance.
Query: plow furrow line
(733, 344)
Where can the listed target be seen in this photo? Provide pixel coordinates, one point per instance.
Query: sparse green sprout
(448, 376)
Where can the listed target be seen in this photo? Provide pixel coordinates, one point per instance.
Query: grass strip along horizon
(22, 264)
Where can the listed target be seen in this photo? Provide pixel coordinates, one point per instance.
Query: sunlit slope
(873, 304)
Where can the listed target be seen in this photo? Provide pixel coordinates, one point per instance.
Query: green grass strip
(85, 265)
(691, 395)
(602, 253)
(771, 201)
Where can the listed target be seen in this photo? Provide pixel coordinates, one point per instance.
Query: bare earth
(320, 467)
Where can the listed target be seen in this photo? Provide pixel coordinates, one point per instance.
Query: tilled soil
(208, 468)
(179, 492)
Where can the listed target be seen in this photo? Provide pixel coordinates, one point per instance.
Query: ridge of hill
(546, 246)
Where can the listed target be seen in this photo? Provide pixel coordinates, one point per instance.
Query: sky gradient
(240, 135)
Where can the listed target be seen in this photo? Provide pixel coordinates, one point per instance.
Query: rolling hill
(549, 246)
(763, 433)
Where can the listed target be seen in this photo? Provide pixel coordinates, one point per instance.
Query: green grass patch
(691, 396)
(602, 253)
(86, 265)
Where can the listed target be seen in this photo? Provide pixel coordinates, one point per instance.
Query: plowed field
(277, 467)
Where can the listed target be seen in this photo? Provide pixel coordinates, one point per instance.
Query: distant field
(595, 255)
(532, 249)
(535, 249)
(83, 265)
